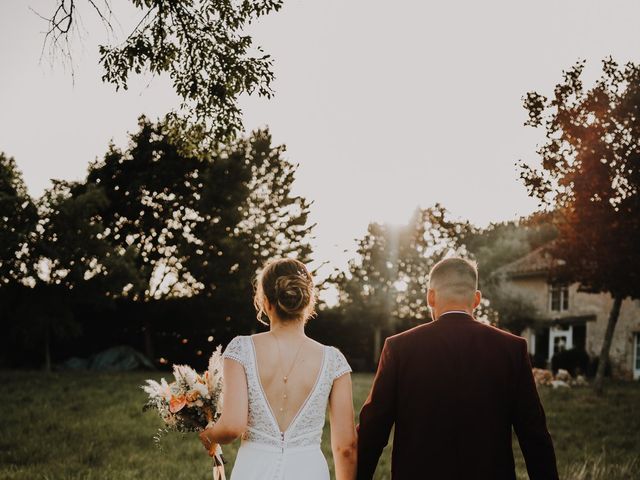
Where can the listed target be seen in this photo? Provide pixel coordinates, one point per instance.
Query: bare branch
(106, 21)
(62, 22)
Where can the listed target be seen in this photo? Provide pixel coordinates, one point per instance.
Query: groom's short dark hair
(457, 275)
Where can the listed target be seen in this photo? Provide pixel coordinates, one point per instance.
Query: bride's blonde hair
(288, 286)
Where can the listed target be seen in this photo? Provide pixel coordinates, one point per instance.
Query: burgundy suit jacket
(453, 389)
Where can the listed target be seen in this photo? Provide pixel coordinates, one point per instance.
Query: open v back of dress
(305, 423)
(301, 386)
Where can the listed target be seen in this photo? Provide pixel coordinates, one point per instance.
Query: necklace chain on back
(285, 376)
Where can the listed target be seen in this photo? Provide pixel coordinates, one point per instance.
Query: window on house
(559, 297)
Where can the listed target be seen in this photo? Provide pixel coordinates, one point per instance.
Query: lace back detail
(306, 428)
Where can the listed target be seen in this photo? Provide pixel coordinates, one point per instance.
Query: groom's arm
(377, 415)
(530, 425)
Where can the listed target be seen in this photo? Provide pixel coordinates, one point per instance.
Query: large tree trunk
(598, 384)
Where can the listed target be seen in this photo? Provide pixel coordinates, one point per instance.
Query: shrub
(575, 361)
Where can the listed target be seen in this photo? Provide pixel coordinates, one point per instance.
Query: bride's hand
(210, 446)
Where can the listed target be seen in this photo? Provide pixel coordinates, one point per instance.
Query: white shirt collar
(455, 311)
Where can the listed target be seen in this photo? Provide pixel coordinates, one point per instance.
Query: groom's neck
(438, 312)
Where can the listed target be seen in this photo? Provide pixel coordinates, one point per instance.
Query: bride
(277, 387)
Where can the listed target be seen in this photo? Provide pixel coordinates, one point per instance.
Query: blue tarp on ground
(115, 359)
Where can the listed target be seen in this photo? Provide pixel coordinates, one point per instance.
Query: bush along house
(569, 320)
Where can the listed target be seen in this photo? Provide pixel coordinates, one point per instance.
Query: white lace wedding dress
(266, 453)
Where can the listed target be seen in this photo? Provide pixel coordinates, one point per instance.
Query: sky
(386, 106)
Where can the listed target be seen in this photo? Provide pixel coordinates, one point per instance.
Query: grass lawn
(89, 426)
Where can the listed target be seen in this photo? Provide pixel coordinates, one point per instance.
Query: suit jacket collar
(455, 316)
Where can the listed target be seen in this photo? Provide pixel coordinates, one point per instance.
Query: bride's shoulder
(317, 344)
(327, 347)
(237, 349)
(238, 340)
(338, 364)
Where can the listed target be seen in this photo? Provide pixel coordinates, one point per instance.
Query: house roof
(537, 262)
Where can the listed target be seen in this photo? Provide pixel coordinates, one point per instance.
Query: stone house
(567, 317)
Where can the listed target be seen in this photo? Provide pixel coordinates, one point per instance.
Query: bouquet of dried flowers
(190, 403)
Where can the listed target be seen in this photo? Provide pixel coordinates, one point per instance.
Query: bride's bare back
(296, 357)
(278, 385)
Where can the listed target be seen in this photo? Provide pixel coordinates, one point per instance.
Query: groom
(453, 389)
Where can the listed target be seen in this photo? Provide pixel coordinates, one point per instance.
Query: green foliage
(200, 44)
(149, 212)
(508, 308)
(68, 260)
(388, 280)
(162, 220)
(590, 175)
(500, 244)
(50, 247)
(18, 217)
(70, 248)
(246, 215)
(197, 223)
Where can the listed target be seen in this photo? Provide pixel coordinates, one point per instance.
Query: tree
(501, 243)
(200, 44)
(496, 246)
(590, 175)
(71, 249)
(71, 262)
(387, 283)
(508, 308)
(148, 213)
(156, 231)
(18, 217)
(197, 224)
(247, 215)
(50, 251)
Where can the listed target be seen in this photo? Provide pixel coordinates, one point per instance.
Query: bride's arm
(344, 442)
(233, 421)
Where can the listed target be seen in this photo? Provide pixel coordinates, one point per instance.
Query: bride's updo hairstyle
(288, 286)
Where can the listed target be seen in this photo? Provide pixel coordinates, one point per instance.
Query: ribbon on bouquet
(218, 463)
(216, 454)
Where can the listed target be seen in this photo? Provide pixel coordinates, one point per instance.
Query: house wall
(622, 345)
(536, 290)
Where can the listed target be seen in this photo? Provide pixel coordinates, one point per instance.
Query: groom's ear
(477, 298)
(431, 298)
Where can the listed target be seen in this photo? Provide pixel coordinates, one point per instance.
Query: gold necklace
(285, 377)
